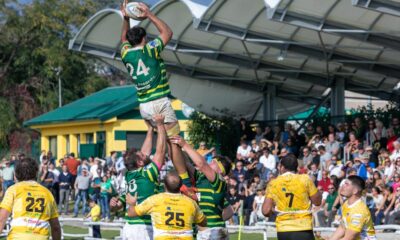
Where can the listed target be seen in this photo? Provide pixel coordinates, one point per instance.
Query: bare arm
(316, 199)
(267, 206)
(148, 141)
(4, 214)
(162, 27)
(227, 213)
(338, 234)
(159, 156)
(197, 159)
(203, 223)
(55, 229)
(125, 22)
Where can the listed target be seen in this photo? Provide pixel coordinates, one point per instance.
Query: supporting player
(147, 69)
(142, 179)
(173, 214)
(356, 221)
(211, 191)
(291, 194)
(34, 211)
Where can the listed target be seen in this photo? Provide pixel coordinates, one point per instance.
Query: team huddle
(189, 202)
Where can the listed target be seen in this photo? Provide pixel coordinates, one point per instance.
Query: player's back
(291, 194)
(173, 215)
(32, 206)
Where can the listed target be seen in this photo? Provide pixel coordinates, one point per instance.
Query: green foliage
(217, 132)
(33, 43)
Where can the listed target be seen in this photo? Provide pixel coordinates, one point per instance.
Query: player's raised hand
(178, 140)
(158, 119)
(131, 200)
(123, 7)
(114, 202)
(145, 10)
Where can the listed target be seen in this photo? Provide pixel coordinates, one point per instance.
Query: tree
(33, 43)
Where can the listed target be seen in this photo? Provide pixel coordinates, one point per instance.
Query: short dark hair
(135, 35)
(357, 181)
(130, 160)
(321, 148)
(226, 163)
(290, 162)
(173, 182)
(26, 169)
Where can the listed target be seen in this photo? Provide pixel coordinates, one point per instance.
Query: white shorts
(137, 232)
(216, 233)
(159, 106)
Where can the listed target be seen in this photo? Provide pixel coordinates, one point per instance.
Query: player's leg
(137, 232)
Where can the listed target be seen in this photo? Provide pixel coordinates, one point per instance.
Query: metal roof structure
(240, 55)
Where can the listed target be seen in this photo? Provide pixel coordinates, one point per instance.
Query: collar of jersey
(287, 173)
(354, 203)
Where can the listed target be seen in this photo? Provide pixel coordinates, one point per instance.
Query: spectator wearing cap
(243, 151)
(267, 163)
(81, 185)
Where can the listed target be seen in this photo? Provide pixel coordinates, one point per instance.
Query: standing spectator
(84, 165)
(358, 128)
(391, 138)
(8, 175)
(65, 179)
(245, 130)
(72, 165)
(325, 157)
(340, 133)
(370, 136)
(243, 151)
(56, 186)
(381, 133)
(106, 191)
(396, 126)
(256, 214)
(50, 157)
(94, 216)
(81, 186)
(95, 185)
(42, 154)
(111, 160)
(97, 164)
(268, 162)
(47, 177)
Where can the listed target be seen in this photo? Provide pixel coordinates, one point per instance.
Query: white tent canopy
(227, 54)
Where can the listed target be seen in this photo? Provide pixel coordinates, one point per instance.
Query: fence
(267, 229)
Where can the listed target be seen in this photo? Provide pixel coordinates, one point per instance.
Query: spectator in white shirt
(334, 169)
(243, 151)
(268, 162)
(332, 146)
(396, 152)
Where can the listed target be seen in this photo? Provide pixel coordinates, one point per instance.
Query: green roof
(102, 105)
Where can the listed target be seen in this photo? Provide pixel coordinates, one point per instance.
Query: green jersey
(211, 196)
(144, 182)
(147, 69)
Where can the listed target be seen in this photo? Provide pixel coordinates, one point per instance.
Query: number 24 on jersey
(141, 68)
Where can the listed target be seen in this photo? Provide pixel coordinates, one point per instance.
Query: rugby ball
(133, 11)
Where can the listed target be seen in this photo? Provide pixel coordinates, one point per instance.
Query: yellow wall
(62, 131)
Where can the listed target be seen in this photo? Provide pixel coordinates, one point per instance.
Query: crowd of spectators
(362, 147)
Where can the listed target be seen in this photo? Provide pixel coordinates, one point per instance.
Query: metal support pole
(337, 100)
(59, 86)
(270, 104)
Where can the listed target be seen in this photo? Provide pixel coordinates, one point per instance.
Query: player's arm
(4, 214)
(148, 141)
(315, 195)
(338, 234)
(267, 206)
(197, 159)
(162, 27)
(159, 156)
(55, 229)
(139, 210)
(125, 22)
(227, 213)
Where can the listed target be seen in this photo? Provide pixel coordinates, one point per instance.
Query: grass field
(110, 234)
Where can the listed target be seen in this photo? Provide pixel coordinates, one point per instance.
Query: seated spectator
(307, 157)
(267, 164)
(315, 157)
(239, 170)
(243, 151)
(234, 200)
(334, 169)
(325, 181)
(259, 135)
(332, 146)
(255, 145)
(326, 217)
(392, 215)
(325, 157)
(256, 215)
(268, 133)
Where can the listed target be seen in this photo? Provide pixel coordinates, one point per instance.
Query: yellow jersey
(31, 206)
(172, 215)
(291, 194)
(357, 217)
(95, 213)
